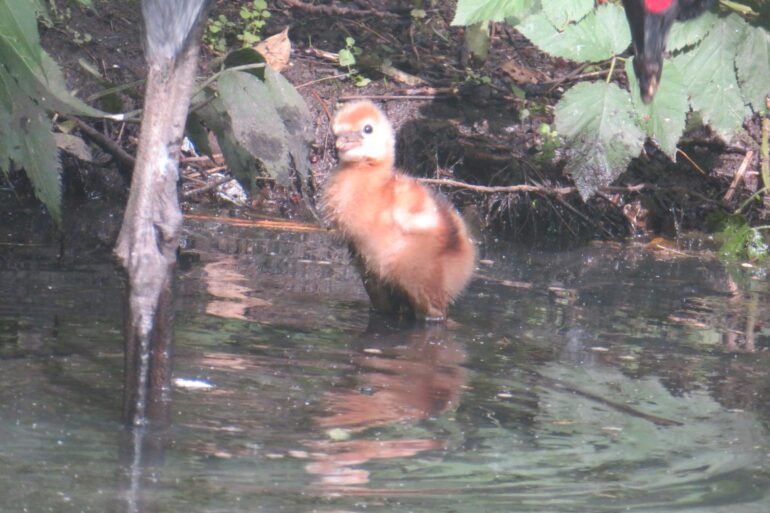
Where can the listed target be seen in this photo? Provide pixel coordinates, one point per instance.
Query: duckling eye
(368, 129)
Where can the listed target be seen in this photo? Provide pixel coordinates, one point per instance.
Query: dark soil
(471, 122)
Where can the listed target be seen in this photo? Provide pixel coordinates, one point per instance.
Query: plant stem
(612, 69)
(764, 165)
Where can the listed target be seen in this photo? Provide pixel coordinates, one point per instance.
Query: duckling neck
(372, 168)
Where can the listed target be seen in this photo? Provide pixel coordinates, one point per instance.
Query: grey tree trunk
(149, 236)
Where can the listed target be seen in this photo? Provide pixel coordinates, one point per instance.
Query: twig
(213, 185)
(125, 161)
(323, 105)
(738, 176)
(561, 191)
(333, 10)
(419, 93)
(319, 80)
(551, 191)
(388, 97)
(269, 224)
(691, 161)
(622, 407)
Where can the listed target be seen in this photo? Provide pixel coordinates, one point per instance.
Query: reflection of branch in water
(555, 383)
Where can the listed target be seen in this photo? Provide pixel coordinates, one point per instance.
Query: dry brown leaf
(521, 74)
(276, 50)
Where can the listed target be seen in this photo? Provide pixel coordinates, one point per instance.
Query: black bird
(650, 22)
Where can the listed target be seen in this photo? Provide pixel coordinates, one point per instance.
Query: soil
(474, 122)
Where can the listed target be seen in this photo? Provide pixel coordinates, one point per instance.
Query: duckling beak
(346, 141)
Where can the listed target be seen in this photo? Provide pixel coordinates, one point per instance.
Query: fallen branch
(561, 191)
(334, 10)
(125, 161)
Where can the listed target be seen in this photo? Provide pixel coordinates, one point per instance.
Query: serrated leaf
(690, 32)
(469, 12)
(296, 117)
(255, 121)
(18, 28)
(44, 82)
(664, 118)
(40, 158)
(708, 72)
(753, 64)
(597, 119)
(55, 92)
(599, 36)
(562, 12)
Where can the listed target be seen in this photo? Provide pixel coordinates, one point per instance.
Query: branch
(562, 191)
(333, 10)
(125, 161)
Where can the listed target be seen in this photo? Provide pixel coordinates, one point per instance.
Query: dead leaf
(521, 74)
(276, 50)
(74, 145)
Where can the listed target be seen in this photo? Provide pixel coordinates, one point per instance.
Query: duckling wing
(414, 208)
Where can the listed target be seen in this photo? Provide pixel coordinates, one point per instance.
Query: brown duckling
(411, 247)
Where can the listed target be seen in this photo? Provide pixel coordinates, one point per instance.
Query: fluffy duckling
(411, 247)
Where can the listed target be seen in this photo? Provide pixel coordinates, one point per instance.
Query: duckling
(410, 246)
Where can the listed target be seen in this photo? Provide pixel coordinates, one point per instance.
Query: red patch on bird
(657, 6)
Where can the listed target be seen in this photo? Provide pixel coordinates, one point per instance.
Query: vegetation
(31, 87)
(220, 30)
(720, 70)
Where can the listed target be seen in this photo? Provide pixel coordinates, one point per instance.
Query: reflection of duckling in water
(411, 247)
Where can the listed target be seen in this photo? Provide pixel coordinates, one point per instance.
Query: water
(605, 379)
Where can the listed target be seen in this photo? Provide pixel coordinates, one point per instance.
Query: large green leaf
(690, 32)
(753, 64)
(293, 110)
(40, 157)
(256, 123)
(708, 72)
(469, 12)
(18, 28)
(561, 12)
(601, 35)
(42, 81)
(664, 118)
(598, 120)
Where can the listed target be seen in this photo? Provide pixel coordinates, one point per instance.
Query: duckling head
(364, 133)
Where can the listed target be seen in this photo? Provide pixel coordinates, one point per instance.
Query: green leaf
(561, 12)
(346, 57)
(469, 12)
(256, 123)
(597, 119)
(53, 91)
(477, 41)
(18, 28)
(40, 157)
(708, 72)
(296, 117)
(597, 37)
(664, 118)
(690, 32)
(753, 64)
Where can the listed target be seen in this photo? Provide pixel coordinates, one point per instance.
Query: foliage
(220, 29)
(738, 240)
(347, 58)
(260, 121)
(720, 69)
(31, 86)
(61, 17)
